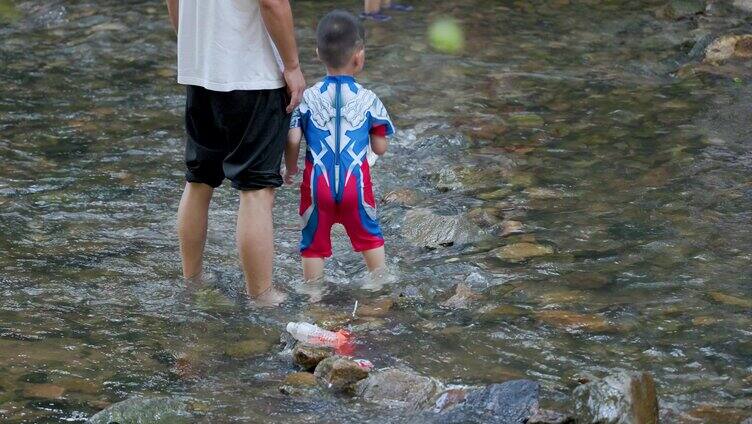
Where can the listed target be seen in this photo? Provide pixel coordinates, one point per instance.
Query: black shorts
(239, 135)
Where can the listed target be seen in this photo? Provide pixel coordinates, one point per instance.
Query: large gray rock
(141, 410)
(512, 402)
(425, 228)
(399, 388)
(621, 398)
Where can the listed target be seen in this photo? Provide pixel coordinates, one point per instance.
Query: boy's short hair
(338, 36)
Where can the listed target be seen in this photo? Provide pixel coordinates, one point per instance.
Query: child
(372, 9)
(340, 120)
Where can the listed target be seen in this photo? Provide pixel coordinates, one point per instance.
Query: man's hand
(295, 86)
(290, 174)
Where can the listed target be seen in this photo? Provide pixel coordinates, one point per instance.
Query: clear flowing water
(564, 115)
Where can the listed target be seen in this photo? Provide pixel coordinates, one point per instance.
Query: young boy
(372, 9)
(340, 120)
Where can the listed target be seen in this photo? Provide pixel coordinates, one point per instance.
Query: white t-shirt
(223, 45)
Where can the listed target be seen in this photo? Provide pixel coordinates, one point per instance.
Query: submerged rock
(731, 300)
(622, 398)
(512, 402)
(138, 410)
(308, 357)
(403, 197)
(425, 228)
(298, 383)
(544, 416)
(43, 391)
(518, 252)
(729, 47)
(574, 321)
(399, 388)
(678, 9)
(378, 309)
(339, 374)
(462, 298)
(247, 349)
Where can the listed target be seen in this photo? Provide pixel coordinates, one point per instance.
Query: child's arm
(292, 151)
(379, 142)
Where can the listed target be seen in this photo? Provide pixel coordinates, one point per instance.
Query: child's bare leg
(375, 258)
(372, 6)
(193, 216)
(313, 269)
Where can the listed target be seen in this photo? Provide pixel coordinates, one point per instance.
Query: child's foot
(269, 298)
(314, 289)
(400, 7)
(375, 16)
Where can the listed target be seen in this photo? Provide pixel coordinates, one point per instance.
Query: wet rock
(485, 217)
(247, 349)
(428, 229)
(450, 398)
(510, 227)
(80, 385)
(681, 9)
(500, 312)
(462, 298)
(497, 194)
(157, 410)
(512, 402)
(298, 383)
(403, 197)
(731, 300)
(377, 309)
(307, 357)
(729, 47)
(327, 318)
(587, 280)
(624, 397)
(43, 391)
(541, 193)
(399, 388)
(719, 415)
(745, 5)
(519, 252)
(339, 374)
(573, 321)
(448, 180)
(526, 120)
(545, 416)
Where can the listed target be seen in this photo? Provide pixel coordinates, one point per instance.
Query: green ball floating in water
(446, 36)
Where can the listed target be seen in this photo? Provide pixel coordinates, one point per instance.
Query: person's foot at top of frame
(373, 10)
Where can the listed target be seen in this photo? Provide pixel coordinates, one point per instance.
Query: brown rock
(298, 383)
(731, 300)
(574, 321)
(718, 415)
(462, 298)
(247, 348)
(339, 374)
(307, 357)
(729, 47)
(510, 227)
(43, 391)
(80, 385)
(377, 309)
(403, 197)
(518, 252)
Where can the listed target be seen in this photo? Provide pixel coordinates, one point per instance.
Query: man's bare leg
(255, 239)
(193, 219)
(313, 269)
(375, 258)
(372, 6)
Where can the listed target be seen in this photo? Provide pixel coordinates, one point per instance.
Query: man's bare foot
(269, 298)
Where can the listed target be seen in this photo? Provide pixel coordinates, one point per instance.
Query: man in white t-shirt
(239, 62)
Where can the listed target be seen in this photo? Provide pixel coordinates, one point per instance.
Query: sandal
(400, 7)
(375, 16)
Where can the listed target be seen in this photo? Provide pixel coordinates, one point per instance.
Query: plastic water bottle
(316, 336)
